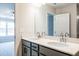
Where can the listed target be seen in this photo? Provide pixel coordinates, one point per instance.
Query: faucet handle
(67, 34)
(61, 37)
(38, 34)
(43, 33)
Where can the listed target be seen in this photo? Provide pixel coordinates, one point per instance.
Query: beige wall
(24, 23)
(27, 22)
(73, 13)
(18, 25)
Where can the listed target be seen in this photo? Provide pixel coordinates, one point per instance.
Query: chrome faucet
(43, 34)
(66, 35)
(38, 35)
(63, 37)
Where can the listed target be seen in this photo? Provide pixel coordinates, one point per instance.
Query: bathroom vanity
(47, 47)
(51, 23)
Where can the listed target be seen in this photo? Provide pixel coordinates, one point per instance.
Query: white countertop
(70, 48)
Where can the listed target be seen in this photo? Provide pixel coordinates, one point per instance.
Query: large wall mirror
(56, 19)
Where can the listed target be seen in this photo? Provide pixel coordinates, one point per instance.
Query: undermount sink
(59, 44)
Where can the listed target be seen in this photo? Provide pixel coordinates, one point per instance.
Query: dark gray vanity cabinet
(33, 49)
(25, 51)
(50, 52)
(29, 48)
(26, 48)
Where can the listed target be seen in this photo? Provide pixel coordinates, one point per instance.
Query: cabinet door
(34, 53)
(26, 43)
(26, 51)
(35, 46)
(49, 52)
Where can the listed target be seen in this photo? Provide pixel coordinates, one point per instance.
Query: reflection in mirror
(61, 24)
(50, 24)
(58, 24)
(56, 19)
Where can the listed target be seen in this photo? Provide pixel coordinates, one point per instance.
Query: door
(61, 24)
(50, 24)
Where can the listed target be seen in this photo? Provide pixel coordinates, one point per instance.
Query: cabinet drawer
(35, 46)
(49, 52)
(26, 43)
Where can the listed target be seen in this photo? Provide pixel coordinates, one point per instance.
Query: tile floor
(7, 49)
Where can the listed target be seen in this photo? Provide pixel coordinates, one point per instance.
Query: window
(10, 28)
(6, 28)
(2, 28)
